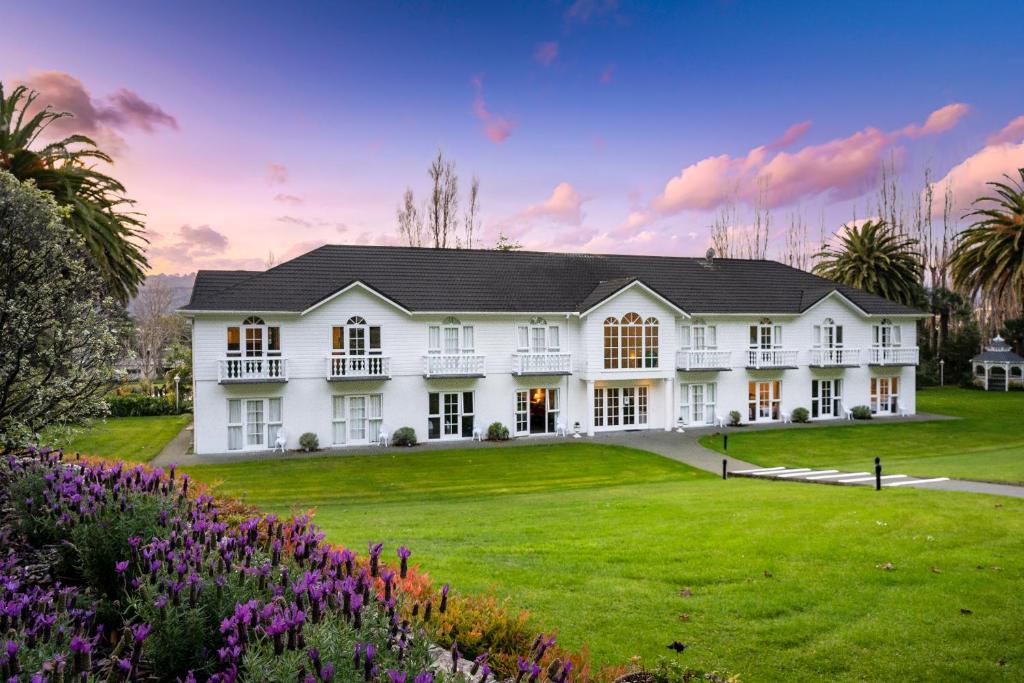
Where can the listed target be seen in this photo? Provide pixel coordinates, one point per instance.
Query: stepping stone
(759, 469)
(836, 476)
(872, 478)
(918, 481)
(797, 470)
(805, 474)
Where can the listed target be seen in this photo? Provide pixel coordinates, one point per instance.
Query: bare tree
(796, 251)
(473, 211)
(410, 220)
(156, 325)
(270, 261)
(722, 230)
(756, 242)
(444, 201)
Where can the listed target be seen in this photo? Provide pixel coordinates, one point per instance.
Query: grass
(132, 439)
(598, 541)
(986, 444)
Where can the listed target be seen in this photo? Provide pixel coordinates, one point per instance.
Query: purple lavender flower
(424, 677)
(444, 599)
(121, 567)
(375, 550)
(396, 676)
(403, 556)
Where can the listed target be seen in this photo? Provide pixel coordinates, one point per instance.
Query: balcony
(890, 355)
(766, 359)
(704, 359)
(541, 364)
(254, 370)
(453, 365)
(357, 368)
(835, 358)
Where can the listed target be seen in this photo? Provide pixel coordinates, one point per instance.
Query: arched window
(1016, 371)
(630, 343)
(979, 370)
(828, 334)
(450, 337)
(355, 338)
(254, 338)
(253, 320)
(356, 320)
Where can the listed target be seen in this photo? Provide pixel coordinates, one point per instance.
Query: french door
(357, 419)
(884, 395)
(537, 411)
(450, 414)
(616, 407)
(253, 423)
(764, 401)
(697, 403)
(826, 397)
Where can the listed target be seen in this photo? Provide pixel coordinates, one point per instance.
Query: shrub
(801, 415)
(404, 436)
(861, 413)
(138, 405)
(497, 432)
(734, 418)
(309, 442)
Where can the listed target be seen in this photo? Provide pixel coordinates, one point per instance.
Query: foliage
(989, 255)
(861, 412)
(1013, 333)
(497, 432)
(875, 258)
(66, 169)
(404, 436)
(801, 415)
(59, 335)
(309, 442)
(139, 405)
(131, 439)
(157, 325)
(734, 418)
(506, 243)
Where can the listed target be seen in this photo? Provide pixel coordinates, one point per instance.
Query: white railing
(452, 365)
(890, 355)
(835, 357)
(358, 367)
(253, 369)
(771, 358)
(541, 363)
(703, 358)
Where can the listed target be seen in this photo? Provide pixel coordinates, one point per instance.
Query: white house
(347, 341)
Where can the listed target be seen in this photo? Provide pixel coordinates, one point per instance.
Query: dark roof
(998, 357)
(520, 281)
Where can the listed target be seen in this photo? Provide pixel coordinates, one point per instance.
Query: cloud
(288, 199)
(583, 11)
(496, 127)
(294, 220)
(564, 206)
(969, 179)
(842, 168)
(607, 74)
(546, 52)
(204, 237)
(277, 174)
(188, 246)
(101, 118)
(555, 222)
(1011, 132)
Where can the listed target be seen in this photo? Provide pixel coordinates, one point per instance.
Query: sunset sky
(249, 128)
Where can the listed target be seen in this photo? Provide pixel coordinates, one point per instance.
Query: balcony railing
(342, 368)
(255, 369)
(890, 355)
(771, 358)
(834, 358)
(453, 365)
(541, 363)
(703, 359)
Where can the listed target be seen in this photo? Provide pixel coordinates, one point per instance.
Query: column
(669, 403)
(590, 407)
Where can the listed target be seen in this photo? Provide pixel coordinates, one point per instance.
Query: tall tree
(157, 326)
(66, 169)
(443, 205)
(473, 212)
(989, 255)
(410, 220)
(873, 257)
(60, 334)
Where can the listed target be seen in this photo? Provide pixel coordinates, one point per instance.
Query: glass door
(615, 407)
(255, 427)
(357, 419)
(764, 401)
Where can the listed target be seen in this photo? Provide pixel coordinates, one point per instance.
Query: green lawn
(987, 444)
(597, 541)
(132, 439)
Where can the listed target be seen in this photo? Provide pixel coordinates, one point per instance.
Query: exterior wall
(307, 395)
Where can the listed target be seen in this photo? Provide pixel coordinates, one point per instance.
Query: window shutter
(684, 337)
(523, 338)
(839, 335)
(375, 338)
(234, 340)
(753, 337)
(777, 340)
(817, 336)
(467, 338)
(711, 337)
(874, 335)
(434, 339)
(553, 342)
(896, 334)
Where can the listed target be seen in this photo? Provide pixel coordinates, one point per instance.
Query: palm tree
(66, 168)
(875, 258)
(989, 255)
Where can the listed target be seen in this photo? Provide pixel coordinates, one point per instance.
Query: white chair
(560, 429)
(384, 437)
(847, 413)
(787, 418)
(281, 440)
(721, 421)
(478, 434)
(904, 411)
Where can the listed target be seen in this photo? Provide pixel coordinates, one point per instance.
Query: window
(522, 412)
(234, 342)
(764, 401)
(253, 423)
(885, 395)
(537, 337)
(450, 337)
(356, 338)
(828, 335)
(698, 336)
(630, 343)
(234, 424)
(450, 414)
(826, 397)
(258, 339)
(357, 419)
(620, 406)
(765, 335)
(886, 334)
(697, 403)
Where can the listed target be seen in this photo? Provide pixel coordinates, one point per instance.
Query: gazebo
(998, 366)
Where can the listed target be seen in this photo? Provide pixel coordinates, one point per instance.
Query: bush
(497, 432)
(138, 405)
(801, 415)
(861, 413)
(404, 436)
(309, 442)
(734, 418)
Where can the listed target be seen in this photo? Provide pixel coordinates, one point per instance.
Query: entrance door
(537, 410)
(884, 395)
(450, 414)
(764, 401)
(620, 407)
(255, 426)
(826, 397)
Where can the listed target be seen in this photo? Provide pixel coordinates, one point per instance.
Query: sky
(245, 130)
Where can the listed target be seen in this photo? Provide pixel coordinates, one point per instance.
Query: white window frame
(272, 410)
(774, 400)
(460, 417)
(892, 394)
(765, 333)
(373, 418)
(649, 327)
(828, 335)
(886, 335)
(836, 398)
(438, 336)
(688, 405)
(537, 337)
(698, 337)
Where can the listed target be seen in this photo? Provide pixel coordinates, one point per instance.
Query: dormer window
(253, 338)
(451, 337)
(631, 342)
(356, 338)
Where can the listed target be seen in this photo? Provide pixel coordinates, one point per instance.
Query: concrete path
(177, 449)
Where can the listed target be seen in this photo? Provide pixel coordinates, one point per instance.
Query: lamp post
(177, 394)
(942, 372)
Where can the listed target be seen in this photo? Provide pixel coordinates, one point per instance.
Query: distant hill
(180, 286)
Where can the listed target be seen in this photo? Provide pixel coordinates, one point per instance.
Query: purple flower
(424, 677)
(396, 676)
(140, 631)
(121, 567)
(444, 599)
(403, 555)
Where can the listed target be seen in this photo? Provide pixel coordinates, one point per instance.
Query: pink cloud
(584, 10)
(607, 74)
(288, 199)
(277, 174)
(968, 179)
(496, 127)
(188, 249)
(565, 205)
(1011, 132)
(838, 169)
(546, 52)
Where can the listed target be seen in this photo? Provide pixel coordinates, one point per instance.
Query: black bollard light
(725, 442)
(878, 473)
(725, 474)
